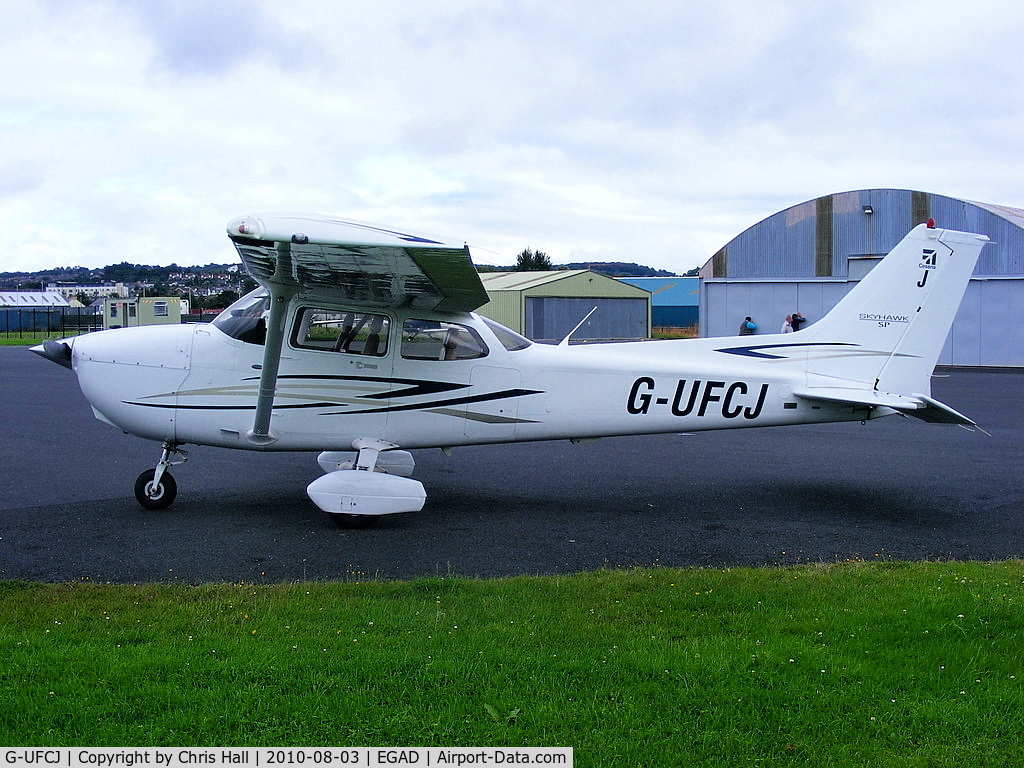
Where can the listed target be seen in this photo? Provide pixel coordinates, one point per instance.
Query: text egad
(253, 757)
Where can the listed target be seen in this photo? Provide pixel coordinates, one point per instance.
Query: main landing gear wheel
(159, 496)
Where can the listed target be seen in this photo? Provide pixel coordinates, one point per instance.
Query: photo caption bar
(286, 757)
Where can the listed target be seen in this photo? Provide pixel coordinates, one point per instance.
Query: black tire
(351, 522)
(159, 498)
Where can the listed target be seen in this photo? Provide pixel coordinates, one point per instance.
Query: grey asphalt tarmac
(894, 489)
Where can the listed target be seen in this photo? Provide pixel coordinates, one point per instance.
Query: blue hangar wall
(807, 258)
(675, 301)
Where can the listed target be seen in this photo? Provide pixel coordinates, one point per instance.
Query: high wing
(326, 258)
(360, 263)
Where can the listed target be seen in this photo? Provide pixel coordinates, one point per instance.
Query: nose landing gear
(156, 488)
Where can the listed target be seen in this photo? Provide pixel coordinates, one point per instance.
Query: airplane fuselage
(197, 384)
(362, 343)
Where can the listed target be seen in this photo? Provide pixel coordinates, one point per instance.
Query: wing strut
(282, 287)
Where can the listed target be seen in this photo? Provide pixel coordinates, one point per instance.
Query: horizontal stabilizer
(940, 413)
(917, 405)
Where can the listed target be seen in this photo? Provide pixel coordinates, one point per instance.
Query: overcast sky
(638, 131)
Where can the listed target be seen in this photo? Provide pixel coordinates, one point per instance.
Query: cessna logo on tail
(927, 263)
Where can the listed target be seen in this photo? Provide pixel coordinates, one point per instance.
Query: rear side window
(354, 333)
(438, 340)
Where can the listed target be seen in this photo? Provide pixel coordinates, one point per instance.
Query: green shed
(148, 310)
(545, 306)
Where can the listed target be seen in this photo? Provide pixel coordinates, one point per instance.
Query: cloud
(650, 132)
(201, 39)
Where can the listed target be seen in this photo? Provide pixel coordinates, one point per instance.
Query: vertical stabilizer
(889, 330)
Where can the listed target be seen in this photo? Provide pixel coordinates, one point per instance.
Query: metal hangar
(805, 258)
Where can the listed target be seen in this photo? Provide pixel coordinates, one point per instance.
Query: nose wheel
(155, 495)
(156, 488)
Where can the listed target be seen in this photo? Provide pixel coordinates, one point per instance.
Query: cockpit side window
(440, 340)
(330, 330)
(245, 320)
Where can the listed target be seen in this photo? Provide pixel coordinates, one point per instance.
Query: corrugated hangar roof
(808, 256)
(820, 237)
(1015, 215)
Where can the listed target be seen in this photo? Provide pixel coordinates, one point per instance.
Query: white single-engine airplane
(362, 343)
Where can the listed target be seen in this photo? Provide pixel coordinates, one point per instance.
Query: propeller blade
(57, 351)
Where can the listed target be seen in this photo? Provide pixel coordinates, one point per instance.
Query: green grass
(850, 664)
(690, 332)
(21, 341)
(14, 340)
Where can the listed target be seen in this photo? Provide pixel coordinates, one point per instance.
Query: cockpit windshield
(244, 320)
(509, 339)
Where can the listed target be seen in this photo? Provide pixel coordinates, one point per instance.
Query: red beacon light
(931, 223)
(246, 226)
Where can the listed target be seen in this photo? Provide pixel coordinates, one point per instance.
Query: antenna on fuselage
(565, 342)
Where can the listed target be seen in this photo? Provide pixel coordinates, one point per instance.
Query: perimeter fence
(24, 322)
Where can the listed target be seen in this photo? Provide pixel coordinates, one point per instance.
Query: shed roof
(560, 282)
(519, 281)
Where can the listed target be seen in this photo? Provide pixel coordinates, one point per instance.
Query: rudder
(892, 325)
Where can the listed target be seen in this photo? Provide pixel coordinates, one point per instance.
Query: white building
(92, 291)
